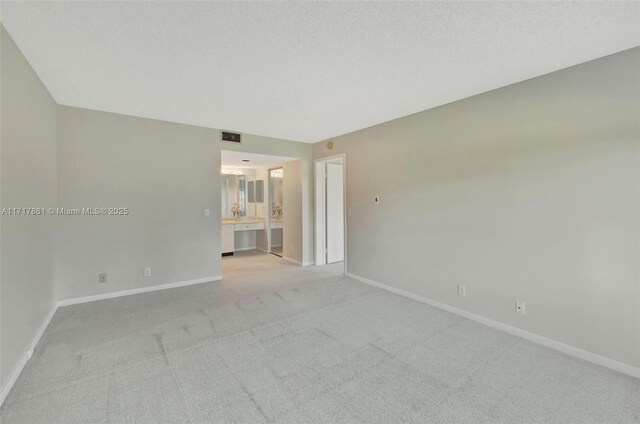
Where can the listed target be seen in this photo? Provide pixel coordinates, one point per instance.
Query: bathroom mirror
(236, 190)
(251, 187)
(259, 191)
(255, 191)
(276, 211)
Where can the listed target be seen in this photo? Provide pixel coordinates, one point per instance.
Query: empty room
(319, 212)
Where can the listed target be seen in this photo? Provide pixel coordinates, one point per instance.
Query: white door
(335, 213)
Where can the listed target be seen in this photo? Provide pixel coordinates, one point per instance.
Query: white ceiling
(234, 159)
(305, 71)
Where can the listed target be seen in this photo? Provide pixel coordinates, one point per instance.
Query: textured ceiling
(303, 71)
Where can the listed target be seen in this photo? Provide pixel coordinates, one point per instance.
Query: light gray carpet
(283, 344)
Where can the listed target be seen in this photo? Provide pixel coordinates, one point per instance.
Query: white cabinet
(249, 227)
(228, 238)
(244, 240)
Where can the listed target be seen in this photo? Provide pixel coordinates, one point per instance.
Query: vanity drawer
(249, 227)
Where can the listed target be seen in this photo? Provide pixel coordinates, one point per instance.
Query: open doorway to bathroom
(262, 213)
(330, 210)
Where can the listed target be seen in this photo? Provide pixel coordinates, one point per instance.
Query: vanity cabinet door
(228, 236)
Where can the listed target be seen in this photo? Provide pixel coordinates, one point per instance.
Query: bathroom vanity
(240, 234)
(251, 218)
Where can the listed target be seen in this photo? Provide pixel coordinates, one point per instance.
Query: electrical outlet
(102, 278)
(520, 307)
(147, 272)
(462, 290)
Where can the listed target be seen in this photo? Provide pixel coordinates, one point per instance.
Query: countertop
(244, 220)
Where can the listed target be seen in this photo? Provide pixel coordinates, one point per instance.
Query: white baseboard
(536, 338)
(245, 248)
(111, 295)
(26, 356)
(293, 261)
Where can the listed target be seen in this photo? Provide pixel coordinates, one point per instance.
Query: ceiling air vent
(231, 137)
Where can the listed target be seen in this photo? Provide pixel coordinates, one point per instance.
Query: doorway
(330, 196)
(246, 206)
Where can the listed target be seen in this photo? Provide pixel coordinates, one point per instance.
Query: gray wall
(165, 173)
(527, 192)
(27, 179)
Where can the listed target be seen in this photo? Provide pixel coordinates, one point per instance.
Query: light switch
(206, 212)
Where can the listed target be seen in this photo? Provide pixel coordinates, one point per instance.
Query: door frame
(319, 224)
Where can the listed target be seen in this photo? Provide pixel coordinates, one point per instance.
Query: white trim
(111, 295)
(292, 261)
(17, 370)
(295, 262)
(319, 261)
(245, 248)
(536, 338)
(27, 355)
(319, 212)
